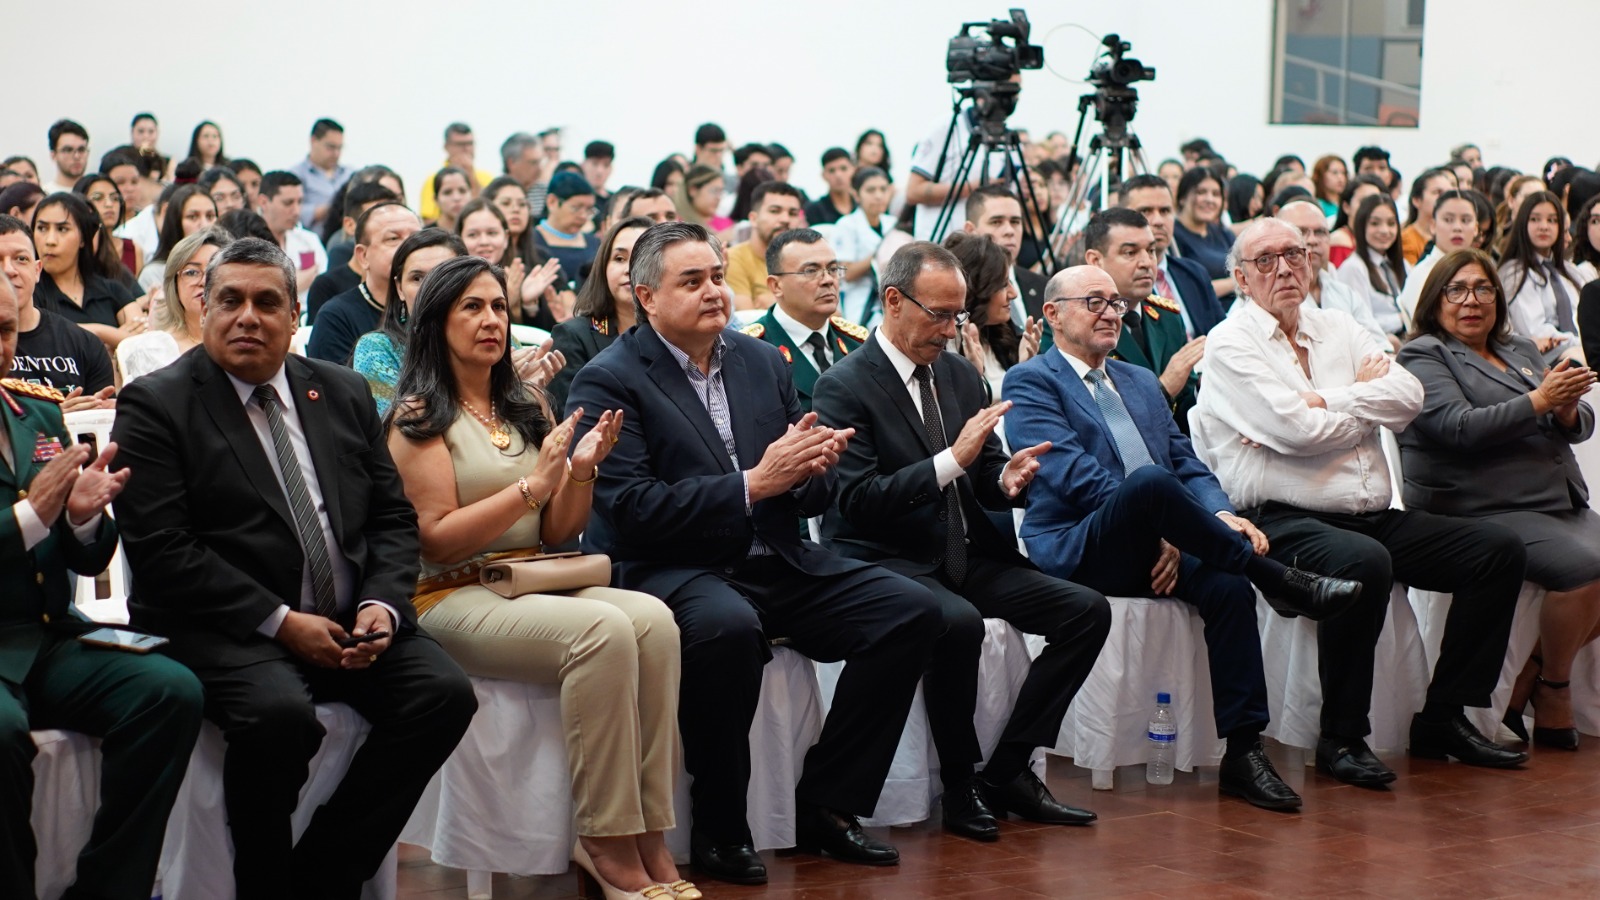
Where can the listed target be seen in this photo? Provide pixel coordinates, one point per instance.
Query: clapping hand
(1176, 375)
(550, 470)
(537, 366)
(77, 400)
(969, 443)
(49, 490)
(536, 282)
(95, 487)
(804, 450)
(596, 445)
(1032, 335)
(972, 346)
(1023, 465)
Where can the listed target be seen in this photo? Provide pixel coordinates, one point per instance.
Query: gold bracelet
(592, 476)
(527, 494)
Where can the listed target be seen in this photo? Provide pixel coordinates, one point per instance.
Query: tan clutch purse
(547, 573)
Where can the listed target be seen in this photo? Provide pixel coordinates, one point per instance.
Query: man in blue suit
(1121, 504)
(1180, 280)
(696, 505)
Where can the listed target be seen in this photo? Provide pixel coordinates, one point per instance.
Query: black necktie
(819, 350)
(305, 516)
(955, 542)
(1135, 323)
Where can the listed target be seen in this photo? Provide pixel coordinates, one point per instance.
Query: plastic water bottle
(1163, 741)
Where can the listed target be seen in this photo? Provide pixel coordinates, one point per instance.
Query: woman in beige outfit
(488, 475)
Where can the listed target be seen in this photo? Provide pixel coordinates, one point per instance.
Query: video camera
(1115, 100)
(976, 58)
(1119, 71)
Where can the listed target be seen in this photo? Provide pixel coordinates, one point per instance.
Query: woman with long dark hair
(989, 340)
(489, 476)
(189, 210)
(1376, 271)
(873, 150)
(1342, 241)
(604, 309)
(452, 188)
(205, 145)
(64, 232)
(1198, 229)
(1425, 190)
(1542, 287)
(1330, 176)
(109, 250)
(541, 305)
(1246, 199)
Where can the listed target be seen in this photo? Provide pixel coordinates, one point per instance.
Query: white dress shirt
(1328, 460)
(344, 574)
(944, 462)
(1418, 276)
(799, 332)
(1533, 307)
(1353, 275)
(1336, 295)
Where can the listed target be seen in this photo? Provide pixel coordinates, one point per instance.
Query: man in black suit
(265, 523)
(1183, 281)
(697, 507)
(915, 481)
(996, 213)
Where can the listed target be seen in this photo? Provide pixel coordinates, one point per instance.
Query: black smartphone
(122, 639)
(93, 443)
(370, 636)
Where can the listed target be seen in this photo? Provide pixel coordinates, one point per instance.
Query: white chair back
(114, 608)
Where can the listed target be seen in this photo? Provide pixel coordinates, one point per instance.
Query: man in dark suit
(1122, 504)
(265, 523)
(804, 273)
(915, 482)
(697, 506)
(1182, 281)
(145, 709)
(1119, 241)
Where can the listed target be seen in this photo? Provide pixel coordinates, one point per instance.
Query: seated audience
(279, 202)
(23, 166)
(539, 303)
(1376, 270)
(102, 193)
(996, 213)
(1183, 281)
(175, 318)
(1198, 230)
(1418, 233)
(246, 223)
(713, 534)
(1456, 221)
(1323, 290)
(1540, 284)
(205, 146)
(344, 274)
(224, 188)
(857, 237)
(598, 159)
(1343, 240)
(145, 709)
(1290, 415)
(219, 447)
(345, 318)
(1494, 442)
(320, 173)
(837, 171)
(189, 210)
(605, 307)
(775, 208)
(1119, 242)
(379, 353)
(50, 350)
(249, 174)
(569, 206)
(667, 177)
(803, 274)
(744, 203)
(452, 189)
(460, 154)
(1121, 505)
(700, 196)
(64, 230)
(1247, 198)
(654, 204)
(1586, 241)
(487, 470)
(923, 469)
(1330, 176)
(989, 340)
(20, 200)
(69, 150)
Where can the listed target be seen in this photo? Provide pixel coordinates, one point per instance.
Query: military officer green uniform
(145, 709)
(842, 336)
(1151, 335)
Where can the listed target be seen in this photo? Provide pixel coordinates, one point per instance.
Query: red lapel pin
(313, 395)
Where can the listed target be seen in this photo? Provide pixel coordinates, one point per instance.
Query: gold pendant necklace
(498, 435)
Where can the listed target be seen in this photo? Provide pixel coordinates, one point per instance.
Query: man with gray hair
(523, 160)
(1290, 416)
(696, 505)
(272, 543)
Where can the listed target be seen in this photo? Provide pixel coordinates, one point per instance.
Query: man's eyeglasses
(1097, 305)
(942, 317)
(814, 271)
(73, 151)
(1457, 293)
(1267, 263)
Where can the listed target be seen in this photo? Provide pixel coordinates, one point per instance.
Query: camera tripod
(986, 140)
(1113, 154)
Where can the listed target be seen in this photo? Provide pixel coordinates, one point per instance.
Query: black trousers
(146, 712)
(1074, 622)
(1480, 563)
(418, 702)
(1121, 548)
(881, 624)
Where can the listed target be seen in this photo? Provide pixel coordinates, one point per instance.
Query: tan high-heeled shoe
(685, 890)
(610, 891)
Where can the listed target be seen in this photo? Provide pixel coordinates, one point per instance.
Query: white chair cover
(1155, 645)
(197, 861)
(1432, 608)
(66, 792)
(1294, 690)
(913, 782)
(1586, 690)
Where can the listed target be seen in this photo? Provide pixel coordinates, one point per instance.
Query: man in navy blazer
(697, 505)
(1121, 504)
(1180, 280)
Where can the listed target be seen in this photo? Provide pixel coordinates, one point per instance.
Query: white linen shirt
(1337, 295)
(1327, 460)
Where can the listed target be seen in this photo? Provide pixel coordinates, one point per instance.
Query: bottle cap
(1163, 697)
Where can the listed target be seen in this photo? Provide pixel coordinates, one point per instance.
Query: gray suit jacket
(1477, 447)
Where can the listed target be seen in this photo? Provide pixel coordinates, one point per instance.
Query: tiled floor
(1444, 830)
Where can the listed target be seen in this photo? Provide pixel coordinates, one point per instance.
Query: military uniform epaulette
(852, 330)
(1163, 303)
(36, 391)
(754, 329)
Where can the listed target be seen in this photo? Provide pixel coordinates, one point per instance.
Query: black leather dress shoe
(1252, 777)
(828, 833)
(1025, 796)
(733, 863)
(966, 814)
(1316, 597)
(1352, 762)
(1457, 738)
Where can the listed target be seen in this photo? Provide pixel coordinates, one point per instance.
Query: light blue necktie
(1130, 445)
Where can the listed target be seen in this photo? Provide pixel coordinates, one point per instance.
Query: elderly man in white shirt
(1293, 401)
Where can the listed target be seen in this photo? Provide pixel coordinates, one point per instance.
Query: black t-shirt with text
(62, 355)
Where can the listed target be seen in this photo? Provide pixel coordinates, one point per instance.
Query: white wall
(644, 73)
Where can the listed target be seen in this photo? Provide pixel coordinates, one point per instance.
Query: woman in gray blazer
(1493, 441)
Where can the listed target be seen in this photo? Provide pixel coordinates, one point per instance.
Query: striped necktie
(1124, 434)
(305, 517)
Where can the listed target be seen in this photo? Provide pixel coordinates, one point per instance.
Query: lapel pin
(1527, 371)
(313, 395)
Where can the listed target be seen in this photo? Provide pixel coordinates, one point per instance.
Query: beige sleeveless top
(482, 470)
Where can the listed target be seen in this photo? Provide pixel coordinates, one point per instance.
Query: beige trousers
(615, 655)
